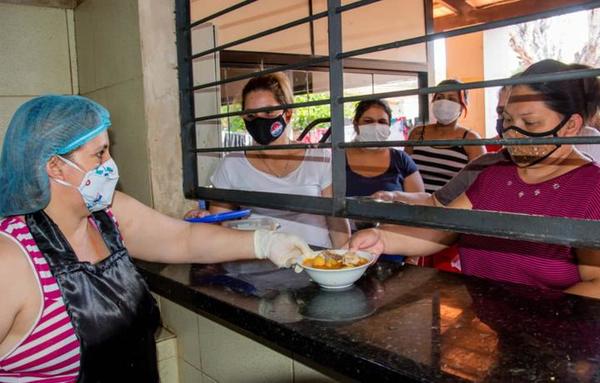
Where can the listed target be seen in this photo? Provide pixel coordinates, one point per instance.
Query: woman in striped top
(549, 180)
(438, 164)
(74, 307)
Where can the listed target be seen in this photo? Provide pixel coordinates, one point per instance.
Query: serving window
(337, 53)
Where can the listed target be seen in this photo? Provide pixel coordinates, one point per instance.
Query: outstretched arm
(152, 236)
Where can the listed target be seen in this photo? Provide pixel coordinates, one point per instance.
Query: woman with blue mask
(291, 171)
(74, 307)
(554, 180)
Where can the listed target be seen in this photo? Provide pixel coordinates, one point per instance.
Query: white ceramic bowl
(339, 278)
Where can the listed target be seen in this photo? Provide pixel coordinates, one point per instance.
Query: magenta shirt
(575, 194)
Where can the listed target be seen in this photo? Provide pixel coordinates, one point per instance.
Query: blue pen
(202, 204)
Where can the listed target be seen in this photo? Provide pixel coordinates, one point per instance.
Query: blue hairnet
(39, 129)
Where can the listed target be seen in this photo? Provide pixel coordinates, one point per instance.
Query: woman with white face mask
(74, 307)
(438, 164)
(369, 170)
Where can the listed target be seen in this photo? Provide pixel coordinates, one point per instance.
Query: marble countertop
(399, 322)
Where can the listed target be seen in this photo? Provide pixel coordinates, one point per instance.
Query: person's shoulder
(233, 157)
(588, 131)
(317, 156)
(468, 133)
(13, 261)
(399, 155)
(415, 132)
(232, 161)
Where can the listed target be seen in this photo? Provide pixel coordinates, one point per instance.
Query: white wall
(37, 56)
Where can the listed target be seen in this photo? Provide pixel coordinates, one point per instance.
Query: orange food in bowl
(327, 260)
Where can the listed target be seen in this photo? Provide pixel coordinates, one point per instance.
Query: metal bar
(282, 27)
(280, 201)
(336, 90)
(282, 68)
(312, 28)
(557, 230)
(386, 144)
(220, 13)
(423, 82)
(324, 145)
(186, 99)
(264, 109)
(555, 76)
(471, 29)
(258, 35)
(356, 4)
(482, 141)
(530, 79)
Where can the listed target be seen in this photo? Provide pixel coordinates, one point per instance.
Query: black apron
(113, 313)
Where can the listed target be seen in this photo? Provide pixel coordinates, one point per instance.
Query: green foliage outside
(302, 116)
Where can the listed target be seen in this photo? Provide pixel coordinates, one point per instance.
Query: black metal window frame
(565, 231)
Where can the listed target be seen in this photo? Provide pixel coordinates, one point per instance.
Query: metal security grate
(576, 233)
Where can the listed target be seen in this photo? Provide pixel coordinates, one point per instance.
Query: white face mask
(97, 186)
(445, 111)
(373, 132)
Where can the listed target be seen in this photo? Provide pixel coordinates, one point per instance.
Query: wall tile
(183, 323)
(108, 42)
(8, 106)
(34, 51)
(125, 102)
(230, 357)
(168, 371)
(305, 374)
(189, 374)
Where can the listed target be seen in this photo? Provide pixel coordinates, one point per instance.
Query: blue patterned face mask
(98, 185)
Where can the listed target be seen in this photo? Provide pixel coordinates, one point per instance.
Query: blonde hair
(276, 83)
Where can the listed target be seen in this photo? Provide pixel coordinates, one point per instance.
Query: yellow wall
(37, 56)
(372, 24)
(464, 62)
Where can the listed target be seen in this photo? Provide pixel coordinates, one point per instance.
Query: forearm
(414, 241)
(419, 198)
(589, 289)
(213, 243)
(339, 231)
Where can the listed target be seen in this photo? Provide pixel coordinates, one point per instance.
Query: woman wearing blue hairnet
(74, 308)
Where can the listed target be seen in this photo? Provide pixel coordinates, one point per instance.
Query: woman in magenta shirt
(550, 180)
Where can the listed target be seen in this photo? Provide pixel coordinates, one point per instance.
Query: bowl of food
(336, 269)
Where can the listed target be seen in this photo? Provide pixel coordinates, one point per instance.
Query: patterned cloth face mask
(528, 155)
(97, 186)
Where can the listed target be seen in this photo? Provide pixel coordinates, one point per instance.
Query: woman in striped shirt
(549, 180)
(438, 164)
(74, 307)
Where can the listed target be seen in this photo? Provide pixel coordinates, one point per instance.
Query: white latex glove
(280, 248)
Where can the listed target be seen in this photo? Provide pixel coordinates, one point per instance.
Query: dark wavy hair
(365, 105)
(566, 97)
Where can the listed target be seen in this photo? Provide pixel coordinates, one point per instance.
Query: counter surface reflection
(400, 322)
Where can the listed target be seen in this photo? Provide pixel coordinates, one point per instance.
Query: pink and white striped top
(575, 194)
(50, 351)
